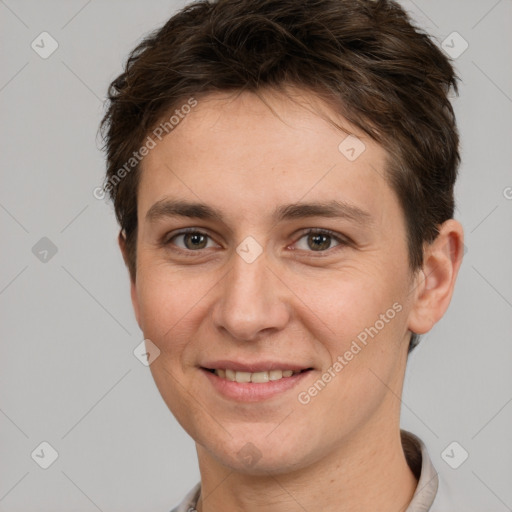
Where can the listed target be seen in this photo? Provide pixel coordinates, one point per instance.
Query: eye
(312, 240)
(319, 240)
(190, 240)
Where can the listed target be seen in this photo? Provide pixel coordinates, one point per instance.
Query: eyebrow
(332, 209)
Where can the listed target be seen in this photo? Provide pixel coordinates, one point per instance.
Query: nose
(252, 300)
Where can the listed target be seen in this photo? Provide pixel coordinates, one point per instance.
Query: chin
(260, 455)
(252, 461)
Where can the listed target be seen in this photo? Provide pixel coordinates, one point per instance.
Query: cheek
(359, 320)
(162, 300)
(360, 326)
(342, 304)
(171, 304)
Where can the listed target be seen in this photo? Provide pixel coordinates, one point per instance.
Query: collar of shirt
(418, 459)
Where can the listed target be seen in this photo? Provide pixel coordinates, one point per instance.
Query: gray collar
(421, 465)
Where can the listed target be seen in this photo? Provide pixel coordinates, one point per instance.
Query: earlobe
(436, 280)
(133, 289)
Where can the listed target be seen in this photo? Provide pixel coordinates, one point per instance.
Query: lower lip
(254, 392)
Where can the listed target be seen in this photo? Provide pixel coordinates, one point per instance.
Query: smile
(256, 377)
(242, 385)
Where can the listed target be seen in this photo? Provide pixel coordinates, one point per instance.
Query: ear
(435, 282)
(133, 289)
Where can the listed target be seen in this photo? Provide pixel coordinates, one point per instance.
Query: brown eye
(316, 240)
(319, 242)
(195, 240)
(192, 240)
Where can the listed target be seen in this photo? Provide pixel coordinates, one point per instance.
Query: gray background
(67, 372)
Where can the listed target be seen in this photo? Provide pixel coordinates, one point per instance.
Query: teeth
(275, 374)
(243, 377)
(257, 377)
(260, 377)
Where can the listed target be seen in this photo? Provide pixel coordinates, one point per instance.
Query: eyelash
(342, 242)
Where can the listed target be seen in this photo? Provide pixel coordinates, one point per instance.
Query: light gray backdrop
(68, 376)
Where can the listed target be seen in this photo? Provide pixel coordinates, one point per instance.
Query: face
(265, 248)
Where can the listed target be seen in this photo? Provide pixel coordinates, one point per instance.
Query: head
(253, 109)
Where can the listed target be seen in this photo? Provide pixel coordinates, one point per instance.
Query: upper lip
(253, 366)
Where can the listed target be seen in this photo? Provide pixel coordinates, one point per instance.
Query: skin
(342, 450)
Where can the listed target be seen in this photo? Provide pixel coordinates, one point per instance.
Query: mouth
(261, 377)
(253, 383)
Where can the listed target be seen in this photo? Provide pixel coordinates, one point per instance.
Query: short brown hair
(383, 74)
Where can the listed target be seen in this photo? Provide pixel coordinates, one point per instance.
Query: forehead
(241, 153)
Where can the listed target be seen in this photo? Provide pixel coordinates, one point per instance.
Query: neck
(368, 472)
